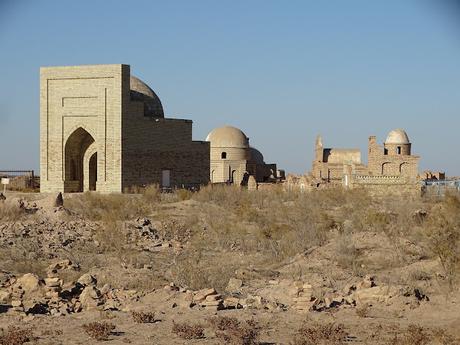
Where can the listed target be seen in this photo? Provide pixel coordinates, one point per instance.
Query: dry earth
(229, 267)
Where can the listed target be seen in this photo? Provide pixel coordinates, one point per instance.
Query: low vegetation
(320, 334)
(417, 335)
(143, 317)
(234, 332)
(188, 331)
(16, 336)
(99, 330)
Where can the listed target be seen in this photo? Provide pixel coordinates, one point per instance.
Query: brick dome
(141, 92)
(256, 156)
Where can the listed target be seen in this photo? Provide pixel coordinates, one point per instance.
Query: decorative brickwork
(99, 133)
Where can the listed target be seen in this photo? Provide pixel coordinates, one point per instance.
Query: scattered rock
(87, 280)
(234, 285)
(59, 200)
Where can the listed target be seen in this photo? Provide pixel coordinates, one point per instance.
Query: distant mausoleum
(233, 160)
(391, 167)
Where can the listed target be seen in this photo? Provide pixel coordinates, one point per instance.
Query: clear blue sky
(283, 71)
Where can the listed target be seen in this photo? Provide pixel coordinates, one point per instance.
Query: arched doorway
(386, 169)
(75, 148)
(404, 169)
(93, 171)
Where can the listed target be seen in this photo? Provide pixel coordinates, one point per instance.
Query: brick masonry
(94, 136)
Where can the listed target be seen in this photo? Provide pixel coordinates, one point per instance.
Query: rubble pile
(51, 296)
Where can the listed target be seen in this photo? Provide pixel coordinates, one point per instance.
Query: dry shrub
(143, 317)
(347, 255)
(443, 236)
(187, 331)
(414, 335)
(100, 207)
(320, 334)
(99, 330)
(15, 336)
(233, 332)
(417, 335)
(152, 193)
(10, 212)
(199, 269)
(183, 194)
(363, 311)
(220, 195)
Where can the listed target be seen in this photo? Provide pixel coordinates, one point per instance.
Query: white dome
(397, 136)
(228, 136)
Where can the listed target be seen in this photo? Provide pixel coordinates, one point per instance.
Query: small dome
(256, 156)
(397, 136)
(141, 92)
(228, 136)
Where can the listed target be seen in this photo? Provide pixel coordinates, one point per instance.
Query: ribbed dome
(397, 136)
(141, 92)
(256, 156)
(228, 136)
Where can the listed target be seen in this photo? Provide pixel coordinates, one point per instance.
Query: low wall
(386, 185)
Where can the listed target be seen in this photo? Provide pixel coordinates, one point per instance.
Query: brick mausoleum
(103, 129)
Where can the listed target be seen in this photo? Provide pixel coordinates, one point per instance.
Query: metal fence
(21, 179)
(439, 188)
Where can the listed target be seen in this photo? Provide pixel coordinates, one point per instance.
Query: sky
(282, 71)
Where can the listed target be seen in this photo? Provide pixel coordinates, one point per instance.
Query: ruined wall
(387, 185)
(334, 172)
(329, 162)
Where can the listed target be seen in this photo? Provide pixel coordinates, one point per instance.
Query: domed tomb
(141, 92)
(397, 136)
(228, 137)
(397, 143)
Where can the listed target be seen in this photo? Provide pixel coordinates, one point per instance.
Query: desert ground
(229, 266)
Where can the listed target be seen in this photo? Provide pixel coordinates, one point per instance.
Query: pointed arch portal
(76, 147)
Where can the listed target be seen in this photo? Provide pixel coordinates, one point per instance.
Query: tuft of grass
(231, 331)
(99, 330)
(10, 212)
(443, 236)
(16, 336)
(143, 317)
(363, 311)
(417, 335)
(324, 334)
(187, 331)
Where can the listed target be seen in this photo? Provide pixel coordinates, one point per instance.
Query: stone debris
(303, 300)
(209, 299)
(52, 236)
(50, 296)
(365, 292)
(234, 285)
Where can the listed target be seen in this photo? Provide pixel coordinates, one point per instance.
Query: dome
(228, 136)
(397, 136)
(141, 92)
(256, 156)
